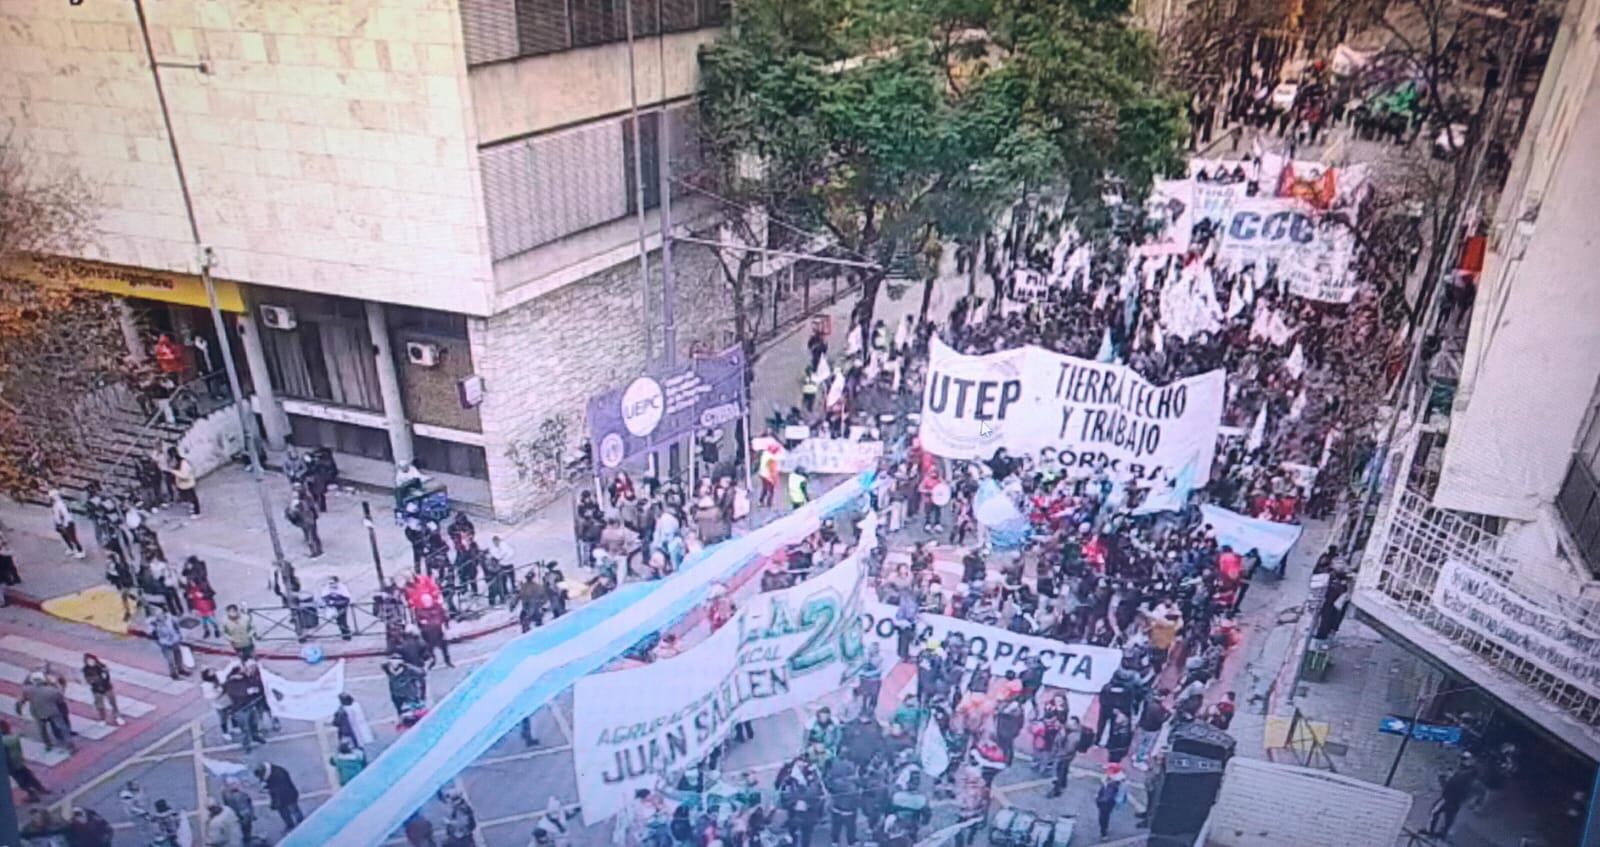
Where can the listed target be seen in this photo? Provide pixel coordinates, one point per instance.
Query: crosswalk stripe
(33, 753)
(73, 659)
(79, 692)
(89, 728)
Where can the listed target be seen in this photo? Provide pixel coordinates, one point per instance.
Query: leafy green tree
(891, 124)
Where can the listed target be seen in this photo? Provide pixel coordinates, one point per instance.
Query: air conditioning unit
(278, 317)
(422, 354)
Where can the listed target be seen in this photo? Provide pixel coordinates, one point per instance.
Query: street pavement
(167, 749)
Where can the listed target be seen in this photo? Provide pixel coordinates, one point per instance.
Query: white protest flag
(932, 753)
(1298, 406)
(221, 769)
(308, 700)
(1063, 249)
(1328, 441)
(1205, 311)
(1102, 293)
(1236, 301)
(835, 390)
(1270, 326)
(1258, 431)
(1107, 352)
(823, 370)
(1296, 363)
(852, 342)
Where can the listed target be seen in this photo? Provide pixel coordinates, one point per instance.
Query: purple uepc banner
(663, 407)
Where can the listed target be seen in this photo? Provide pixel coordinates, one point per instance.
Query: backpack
(1109, 791)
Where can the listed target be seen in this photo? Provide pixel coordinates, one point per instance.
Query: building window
(542, 26)
(450, 457)
(649, 129)
(327, 356)
(497, 30)
(599, 22)
(540, 189)
(536, 190)
(1579, 499)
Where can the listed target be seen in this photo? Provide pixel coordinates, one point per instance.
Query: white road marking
(73, 659)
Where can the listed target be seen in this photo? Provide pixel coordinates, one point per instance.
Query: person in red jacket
(203, 602)
(430, 622)
(419, 586)
(169, 356)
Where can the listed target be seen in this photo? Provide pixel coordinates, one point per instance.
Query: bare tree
(58, 343)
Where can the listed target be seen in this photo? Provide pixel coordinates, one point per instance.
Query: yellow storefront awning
(125, 281)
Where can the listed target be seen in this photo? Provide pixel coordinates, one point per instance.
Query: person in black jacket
(282, 794)
(844, 793)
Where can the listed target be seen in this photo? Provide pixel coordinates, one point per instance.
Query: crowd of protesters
(1158, 586)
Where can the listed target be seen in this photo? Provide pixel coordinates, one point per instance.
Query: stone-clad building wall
(329, 145)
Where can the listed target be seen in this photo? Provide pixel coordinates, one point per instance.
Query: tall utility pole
(638, 189)
(669, 282)
(247, 422)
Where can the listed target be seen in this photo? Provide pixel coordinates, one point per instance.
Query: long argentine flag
(528, 673)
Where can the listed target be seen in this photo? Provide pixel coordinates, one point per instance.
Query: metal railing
(311, 620)
(1411, 545)
(184, 401)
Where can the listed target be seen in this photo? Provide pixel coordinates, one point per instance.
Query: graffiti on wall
(539, 458)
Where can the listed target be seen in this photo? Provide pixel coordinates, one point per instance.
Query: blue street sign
(1442, 733)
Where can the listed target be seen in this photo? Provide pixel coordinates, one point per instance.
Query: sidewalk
(1371, 677)
(230, 535)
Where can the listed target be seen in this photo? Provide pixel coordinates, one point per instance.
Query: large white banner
(1321, 269)
(1523, 628)
(304, 700)
(1171, 209)
(1083, 668)
(1029, 398)
(833, 455)
(782, 649)
(1262, 228)
(1214, 201)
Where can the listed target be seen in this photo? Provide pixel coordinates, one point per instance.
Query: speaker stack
(1184, 791)
(1198, 738)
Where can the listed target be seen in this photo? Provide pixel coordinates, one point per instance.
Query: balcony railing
(1536, 622)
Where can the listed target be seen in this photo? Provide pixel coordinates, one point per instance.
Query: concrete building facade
(1484, 555)
(404, 201)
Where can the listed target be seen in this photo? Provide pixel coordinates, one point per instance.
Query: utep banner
(656, 410)
(1082, 668)
(1029, 398)
(781, 650)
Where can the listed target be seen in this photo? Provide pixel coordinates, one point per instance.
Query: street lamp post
(246, 423)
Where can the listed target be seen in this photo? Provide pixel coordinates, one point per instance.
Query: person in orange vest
(767, 470)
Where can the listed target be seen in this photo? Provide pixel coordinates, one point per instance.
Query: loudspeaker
(1198, 738)
(1183, 794)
